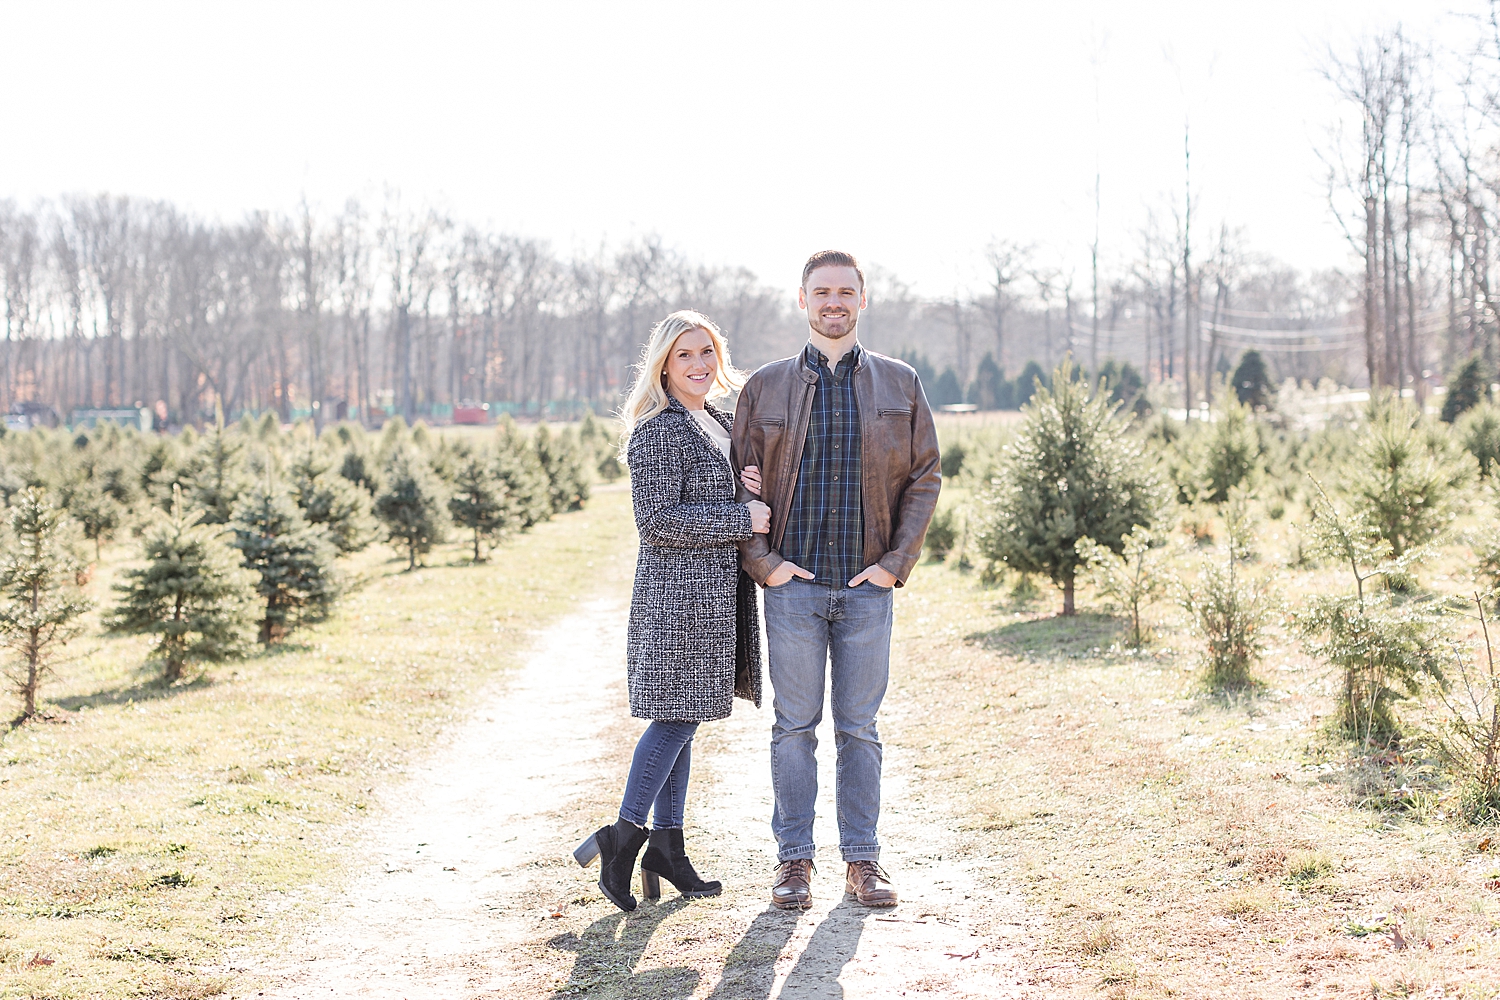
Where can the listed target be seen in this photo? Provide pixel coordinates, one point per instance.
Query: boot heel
(650, 884)
(586, 852)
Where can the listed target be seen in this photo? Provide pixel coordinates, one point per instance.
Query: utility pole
(1189, 298)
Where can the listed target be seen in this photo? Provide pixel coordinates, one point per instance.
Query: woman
(694, 632)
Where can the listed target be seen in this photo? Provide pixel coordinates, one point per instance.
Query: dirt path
(466, 889)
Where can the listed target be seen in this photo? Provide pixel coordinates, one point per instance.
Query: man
(848, 454)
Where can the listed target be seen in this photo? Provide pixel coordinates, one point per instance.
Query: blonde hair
(648, 396)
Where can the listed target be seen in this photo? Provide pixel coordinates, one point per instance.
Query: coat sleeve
(910, 519)
(757, 557)
(658, 468)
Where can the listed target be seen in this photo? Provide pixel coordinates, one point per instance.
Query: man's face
(833, 298)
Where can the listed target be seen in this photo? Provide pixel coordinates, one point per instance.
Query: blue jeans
(659, 775)
(809, 625)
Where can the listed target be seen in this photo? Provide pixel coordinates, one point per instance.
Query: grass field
(1182, 842)
(1170, 841)
(148, 832)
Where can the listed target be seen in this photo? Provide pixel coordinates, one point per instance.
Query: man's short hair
(832, 258)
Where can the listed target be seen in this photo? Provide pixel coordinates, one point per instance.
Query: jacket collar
(675, 405)
(810, 356)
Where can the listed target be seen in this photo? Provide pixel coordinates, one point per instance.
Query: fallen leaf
(1398, 940)
(954, 954)
(447, 869)
(556, 914)
(38, 959)
(1484, 845)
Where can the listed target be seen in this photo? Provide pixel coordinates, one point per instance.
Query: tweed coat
(693, 618)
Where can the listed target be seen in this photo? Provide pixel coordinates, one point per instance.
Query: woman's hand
(750, 476)
(760, 517)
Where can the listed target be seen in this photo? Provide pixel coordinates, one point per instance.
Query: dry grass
(1178, 841)
(147, 832)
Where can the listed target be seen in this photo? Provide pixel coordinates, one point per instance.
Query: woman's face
(692, 364)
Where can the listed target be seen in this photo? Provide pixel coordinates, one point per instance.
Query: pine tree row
(240, 530)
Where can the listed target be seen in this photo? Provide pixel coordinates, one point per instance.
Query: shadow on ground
(750, 970)
(153, 689)
(609, 950)
(1082, 635)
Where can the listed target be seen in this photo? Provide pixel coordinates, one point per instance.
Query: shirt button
(835, 447)
(835, 478)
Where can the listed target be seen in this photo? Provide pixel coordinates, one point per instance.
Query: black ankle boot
(666, 858)
(615, 847)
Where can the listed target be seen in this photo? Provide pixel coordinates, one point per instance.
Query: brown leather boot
(868, 883)
(793, 887)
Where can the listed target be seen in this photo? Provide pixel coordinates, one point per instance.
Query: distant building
(25, 416)
(137, 417)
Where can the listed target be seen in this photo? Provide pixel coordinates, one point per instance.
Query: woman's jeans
(809, 624)
(659, 775)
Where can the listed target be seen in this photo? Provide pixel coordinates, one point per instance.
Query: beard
(837, 326)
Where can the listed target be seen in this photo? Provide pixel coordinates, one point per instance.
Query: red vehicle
(471, 413)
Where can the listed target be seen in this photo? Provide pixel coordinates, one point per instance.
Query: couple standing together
(838, 461)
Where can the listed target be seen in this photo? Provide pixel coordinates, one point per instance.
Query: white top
(715, 430)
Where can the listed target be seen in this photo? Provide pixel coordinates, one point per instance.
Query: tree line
(241, 533)
(373, 310)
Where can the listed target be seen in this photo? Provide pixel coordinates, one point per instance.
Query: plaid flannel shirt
(825, 531)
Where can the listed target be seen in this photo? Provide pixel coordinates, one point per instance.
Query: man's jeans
(807, 625)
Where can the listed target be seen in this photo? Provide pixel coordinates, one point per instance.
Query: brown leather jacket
(898, 456)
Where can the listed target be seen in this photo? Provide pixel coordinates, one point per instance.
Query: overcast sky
(745, 133)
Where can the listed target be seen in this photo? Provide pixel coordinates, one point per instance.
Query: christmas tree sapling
(40, 603)
(191, 593)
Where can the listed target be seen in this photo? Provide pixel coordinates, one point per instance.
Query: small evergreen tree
(1228, 609)
(357, 468)
(192, 594)
(478, 501)
(988, 390)
(942, 535)
(1073, 471)
(410, 505)
(1229, 454)
(215, 475)
(98, 513)
(1479, 430)
(393, 435)
(1132, 578)
(528, 491)
(1383, 647)
(39, 599)
(1467, 737)
(926, 374)
(160, 470)
(1465, 389)
(1027, 382)
(332, 503)
(1252, 382)
(1408, 483)
(567, 478)
(443, 457)
(947, 390)
(294, 561)
(1125, 384)
(604, 447)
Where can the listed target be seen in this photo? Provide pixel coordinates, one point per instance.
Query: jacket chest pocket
(766, 434)
(895, 413)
